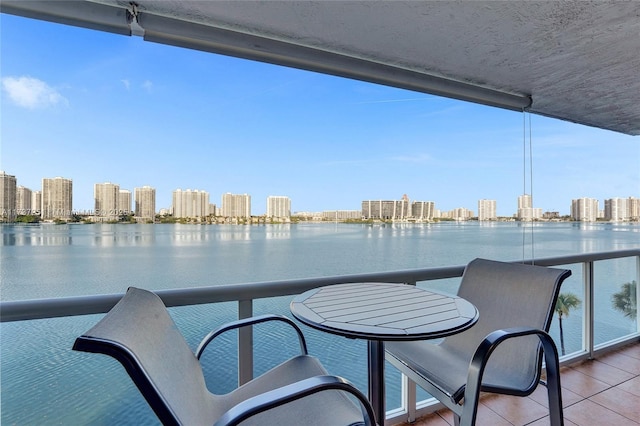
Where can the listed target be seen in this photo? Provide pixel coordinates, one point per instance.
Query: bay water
(44, 382)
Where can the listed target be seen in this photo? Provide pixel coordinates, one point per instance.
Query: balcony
(597, 372)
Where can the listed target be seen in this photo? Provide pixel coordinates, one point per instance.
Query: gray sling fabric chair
(140, 334)
(502, 353)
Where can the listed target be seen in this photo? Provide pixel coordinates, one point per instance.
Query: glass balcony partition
(43, 381)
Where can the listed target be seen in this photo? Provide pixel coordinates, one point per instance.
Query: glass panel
(566, 325)
(615, 308)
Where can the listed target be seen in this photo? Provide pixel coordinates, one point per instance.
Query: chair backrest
(140, 334)
(508, 295)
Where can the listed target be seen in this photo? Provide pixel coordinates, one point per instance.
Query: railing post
(589, 320)
(245, 343)
(409, 398)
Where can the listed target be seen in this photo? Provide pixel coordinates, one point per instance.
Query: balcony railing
(246, 294)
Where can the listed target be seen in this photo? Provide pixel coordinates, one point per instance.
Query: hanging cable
(525, 205)
(531, 189)
(524, 181)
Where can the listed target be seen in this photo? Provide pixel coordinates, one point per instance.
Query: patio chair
(502, 353)
(140, 334)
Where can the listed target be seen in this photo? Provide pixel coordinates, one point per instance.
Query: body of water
(44, 382)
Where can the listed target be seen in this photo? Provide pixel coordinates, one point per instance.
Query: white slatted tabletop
(383, 311)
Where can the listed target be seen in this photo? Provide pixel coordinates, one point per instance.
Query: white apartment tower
(190, 203)
(616, 209)
(124, 201)
(487, 210)
(145, 199)
(7, 197)
(526, 211)
(386, 209)
(107, 197)
(423, 210)
(57, 198)
(278, 206)
(36, 202)
(634, 208)
(584, 209)
(236, 205)
(461, 213)
(23, 200)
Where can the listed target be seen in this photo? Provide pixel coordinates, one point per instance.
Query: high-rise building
(633, 205)
(124, 201)
(524, 201)
(107, 197)
(145, 199)
(57, 198)
(236, 205)
(190, 203)
(526, 211)
(278, 206)
(584, 209)
(385, 210)
(487, 210)
(36, 202)
(461, 213)
(341, 215)
(23, 200)
(616, 209)
(423, 210)
(7, 197)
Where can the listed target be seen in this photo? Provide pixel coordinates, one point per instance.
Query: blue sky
(97, 107)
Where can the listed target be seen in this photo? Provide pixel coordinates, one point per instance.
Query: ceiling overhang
(575, 61)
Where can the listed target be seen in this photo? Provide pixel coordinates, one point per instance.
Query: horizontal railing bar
(84, 305)
(584, 257)
(97, 304)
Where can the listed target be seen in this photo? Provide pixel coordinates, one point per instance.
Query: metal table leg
(376, 379)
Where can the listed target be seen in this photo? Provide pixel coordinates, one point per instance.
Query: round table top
(383, 311)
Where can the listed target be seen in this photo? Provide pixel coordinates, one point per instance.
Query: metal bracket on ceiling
(133, 20)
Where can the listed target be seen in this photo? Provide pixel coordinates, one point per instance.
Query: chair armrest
(251, 321)
(490, 343)
(292, 392)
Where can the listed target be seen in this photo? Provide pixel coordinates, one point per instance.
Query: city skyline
(98, 107)
(240, 204)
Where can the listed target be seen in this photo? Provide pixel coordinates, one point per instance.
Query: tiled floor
(596, 392)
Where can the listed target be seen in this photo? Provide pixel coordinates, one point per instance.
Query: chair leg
(554, 390)
(456, 420)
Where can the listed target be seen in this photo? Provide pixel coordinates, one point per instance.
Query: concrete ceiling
(574, 60)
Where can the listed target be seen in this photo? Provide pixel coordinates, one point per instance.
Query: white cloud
(127, 83)
(31, 93)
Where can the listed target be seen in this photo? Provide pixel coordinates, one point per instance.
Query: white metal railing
(246, 294)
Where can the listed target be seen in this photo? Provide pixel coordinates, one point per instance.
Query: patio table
(382, 311)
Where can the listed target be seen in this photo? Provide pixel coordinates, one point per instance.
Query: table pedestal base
(376, 379)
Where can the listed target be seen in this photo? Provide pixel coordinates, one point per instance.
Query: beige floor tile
(517, 410)
(603, 372)
(622, 402)
(588, 413)
(431, 420)
(568, 397)
(582, 384)
(545, 422)
(632, 386)
(623, 361)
